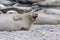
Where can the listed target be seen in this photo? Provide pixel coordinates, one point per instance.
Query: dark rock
(7, 9)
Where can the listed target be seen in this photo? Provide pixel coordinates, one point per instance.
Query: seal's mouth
(34, 17)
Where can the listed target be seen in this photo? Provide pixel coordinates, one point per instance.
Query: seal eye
(17, 18)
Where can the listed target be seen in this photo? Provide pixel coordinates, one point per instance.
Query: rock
(12, 8)
(5, 2)
(52, 11)
(12, 12)
(26, 1)
(47, 19)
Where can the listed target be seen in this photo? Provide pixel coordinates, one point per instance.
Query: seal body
(15, 21)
